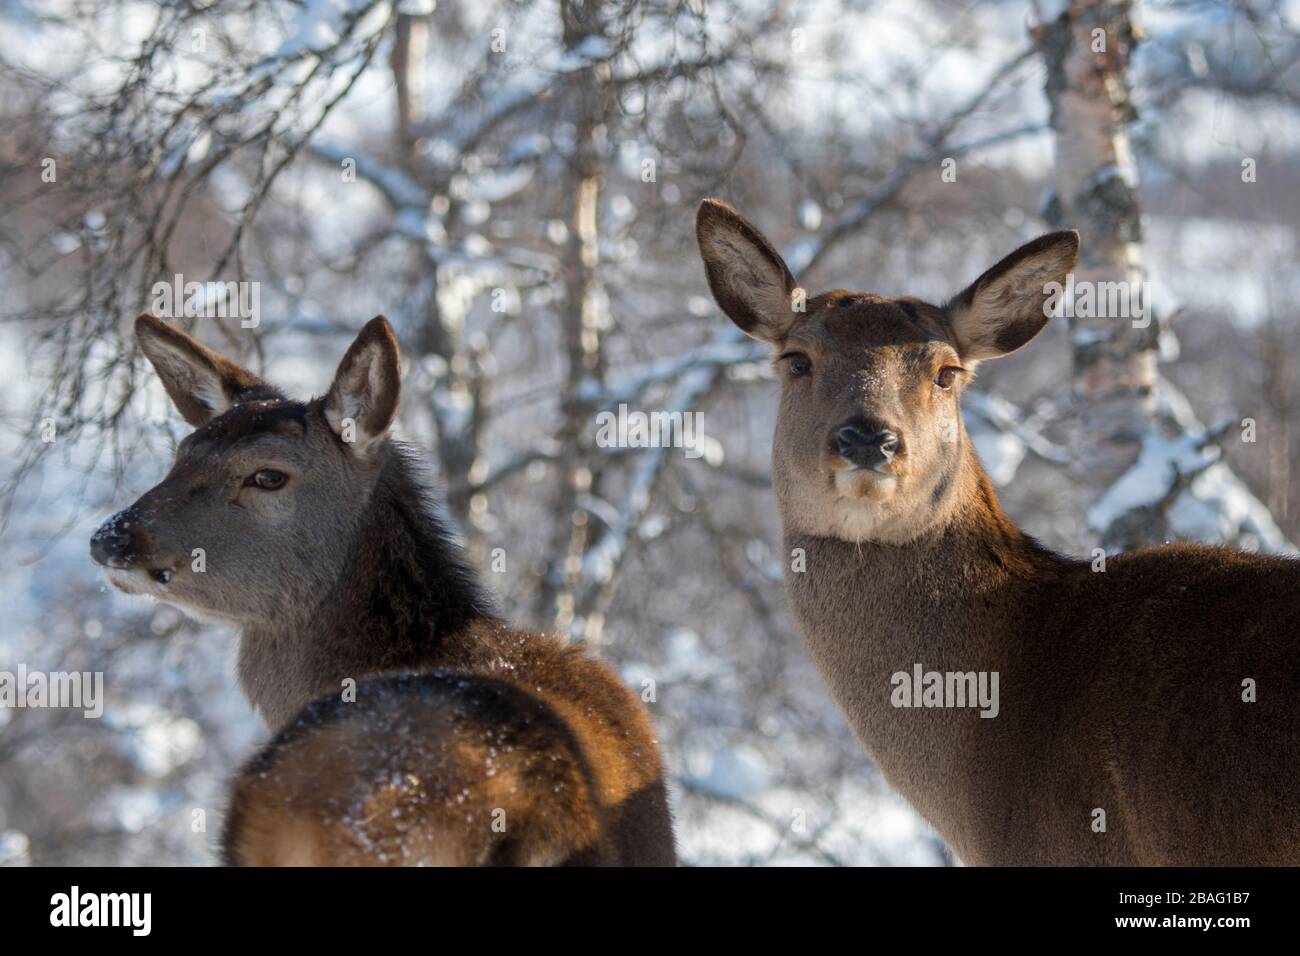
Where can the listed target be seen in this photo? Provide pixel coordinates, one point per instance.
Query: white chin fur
(141, 584)
(858, 520)
(863, 508)
(865, 486)
(134, 581)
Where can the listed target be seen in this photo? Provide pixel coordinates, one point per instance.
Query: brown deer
(1147, 713)
(412, 724)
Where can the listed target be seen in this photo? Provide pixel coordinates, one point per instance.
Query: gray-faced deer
(1162, 692)
(464, 741)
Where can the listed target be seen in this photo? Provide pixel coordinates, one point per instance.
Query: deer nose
(111, 546)
(866, 450)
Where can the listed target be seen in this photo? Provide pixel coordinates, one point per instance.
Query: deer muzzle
(121, 544)
(864, 448)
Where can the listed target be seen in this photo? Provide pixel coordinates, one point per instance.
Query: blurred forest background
(513, 183)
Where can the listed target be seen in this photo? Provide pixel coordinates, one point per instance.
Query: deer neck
(406, 600)
(951, 600)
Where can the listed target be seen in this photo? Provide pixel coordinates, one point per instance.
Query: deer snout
(123, 546)
(115, 543)
(865, 447)
(111, 545)
(110, 548)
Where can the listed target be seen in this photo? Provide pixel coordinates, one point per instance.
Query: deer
(1144, 712)
(411, 724)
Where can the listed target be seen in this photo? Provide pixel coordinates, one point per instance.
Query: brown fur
(467, 742)
(1119, 690)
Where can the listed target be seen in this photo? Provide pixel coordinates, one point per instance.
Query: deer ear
(201, 383)
(1009, 304)
(747, 276)
(362, 401)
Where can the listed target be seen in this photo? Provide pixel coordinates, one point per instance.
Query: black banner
(129, 905)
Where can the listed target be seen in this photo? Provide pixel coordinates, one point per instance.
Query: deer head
(869, 441)
(253, 521)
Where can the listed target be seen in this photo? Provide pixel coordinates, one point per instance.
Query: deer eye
(797, 364)
(946, 377)
(268, 479)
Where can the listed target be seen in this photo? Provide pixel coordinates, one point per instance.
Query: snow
(737, 772)
(799, 253)
(810, 215)
(1216, 507)
(1000, 451)
(1159, 463)
(394, 182)
(1002, 435)
(856, 822)
(1239, 517)
(591, 49)
(13, 848)
(318, 26)
(498, 185)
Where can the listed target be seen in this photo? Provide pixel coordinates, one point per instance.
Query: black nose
(864, 450)
(111, 546)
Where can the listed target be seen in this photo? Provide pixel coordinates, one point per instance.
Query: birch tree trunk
(458, 397)
(580, 311)
(1148, 467)
(1087, 49)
